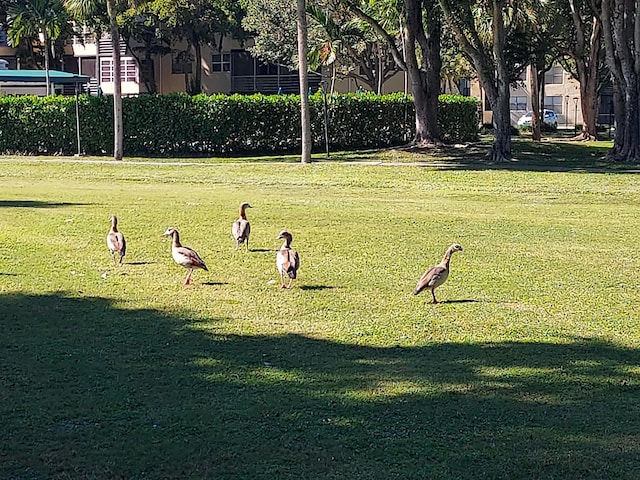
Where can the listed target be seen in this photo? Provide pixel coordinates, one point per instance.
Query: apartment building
(561, 94)
(233, 70)
(230, 70)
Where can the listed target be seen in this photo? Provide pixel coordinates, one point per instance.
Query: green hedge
(182, 125)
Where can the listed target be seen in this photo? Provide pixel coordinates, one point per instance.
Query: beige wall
(395, 84)
(212, 82)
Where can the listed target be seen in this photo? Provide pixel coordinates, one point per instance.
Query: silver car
(550, 119)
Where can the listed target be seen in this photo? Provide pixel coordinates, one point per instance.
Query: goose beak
(167, 233)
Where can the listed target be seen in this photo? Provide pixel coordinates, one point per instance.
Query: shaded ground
(93, 391)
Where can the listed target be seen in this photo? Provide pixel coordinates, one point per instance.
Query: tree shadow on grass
(548, 155)
(35, 204)
(90, 390)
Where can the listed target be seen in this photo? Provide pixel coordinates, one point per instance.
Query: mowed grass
(529, 368)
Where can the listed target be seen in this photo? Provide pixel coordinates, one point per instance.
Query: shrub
(183, 125)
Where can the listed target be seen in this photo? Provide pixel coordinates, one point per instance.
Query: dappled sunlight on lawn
(140, 392)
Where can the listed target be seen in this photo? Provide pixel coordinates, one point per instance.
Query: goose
(184, 256)
(115, 241)
(241, 229)
(287, 259)
(437, 275)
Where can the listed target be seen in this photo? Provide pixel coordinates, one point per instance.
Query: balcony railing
(270, 84)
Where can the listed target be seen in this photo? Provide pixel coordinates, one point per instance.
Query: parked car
(550, 119)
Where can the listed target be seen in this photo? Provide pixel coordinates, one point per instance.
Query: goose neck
(176, 238)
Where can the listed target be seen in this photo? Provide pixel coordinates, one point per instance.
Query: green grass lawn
(528, 369)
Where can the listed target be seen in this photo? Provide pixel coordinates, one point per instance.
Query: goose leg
(187, 280)
(290, 282)
(282, 285)
(433, 294)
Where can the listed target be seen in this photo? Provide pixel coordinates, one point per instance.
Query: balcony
(271, 84)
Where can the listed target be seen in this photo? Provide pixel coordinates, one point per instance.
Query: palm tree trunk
(118, 131)
(45, 41)
(304, 82)
(536, 119)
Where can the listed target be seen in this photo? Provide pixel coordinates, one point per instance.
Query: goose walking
(437, 275)
(184, 256)
(287, 260)
(115, 241)
(241, 229)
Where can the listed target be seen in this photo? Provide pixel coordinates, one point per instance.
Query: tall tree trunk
(586, 63)
(492, 73)
(536, 129)
(588, 101)
(150, 77)
(380, 72)
(45, 39)
(307, 142)
(118, 131)
(620, 18)
(501, 149)
(197, 88)
(589, 98)
(425, 78)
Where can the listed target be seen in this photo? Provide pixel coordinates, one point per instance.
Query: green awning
(39, 76)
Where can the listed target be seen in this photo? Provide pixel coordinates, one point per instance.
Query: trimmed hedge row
(183, 125)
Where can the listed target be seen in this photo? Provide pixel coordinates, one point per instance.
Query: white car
(550, 119)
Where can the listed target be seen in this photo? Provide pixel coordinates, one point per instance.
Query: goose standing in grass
(184, 256)
(241, 229)
(437, 275)
(287, 260)
(115, 241)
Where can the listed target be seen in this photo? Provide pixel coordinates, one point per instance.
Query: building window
(128, 66)
(553, 103)
(221, 62)
(464, 86)
(179, 65)
(267, 69)
(3, 38)
(555, 76)
(518, 103)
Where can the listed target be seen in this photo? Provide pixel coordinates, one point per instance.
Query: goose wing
(241, 230)
(288, 262)
(188, 258)
(116, 243)
(433, 277)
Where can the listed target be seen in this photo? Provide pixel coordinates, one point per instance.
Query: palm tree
(84, 10)
(304, 81)
(30, 19)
